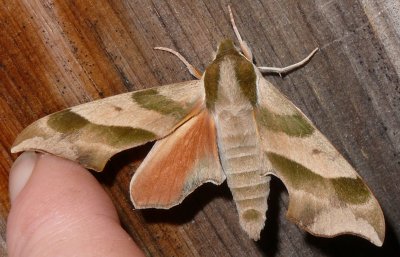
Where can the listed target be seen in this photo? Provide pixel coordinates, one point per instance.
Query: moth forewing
(326, 195)
(92, 133)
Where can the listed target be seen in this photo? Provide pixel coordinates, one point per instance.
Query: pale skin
(46, 219)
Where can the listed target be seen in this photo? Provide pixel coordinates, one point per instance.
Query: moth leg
(243, 45)
(195, 72)
(283, 70)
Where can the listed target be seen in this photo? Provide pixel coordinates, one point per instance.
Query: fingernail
(20, 173)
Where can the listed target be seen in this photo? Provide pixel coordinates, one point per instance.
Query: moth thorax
(230, 79)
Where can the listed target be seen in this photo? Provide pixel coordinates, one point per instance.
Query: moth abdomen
(250, 191)
(242, 163)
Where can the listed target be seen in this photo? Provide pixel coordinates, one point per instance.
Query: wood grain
(57, 54)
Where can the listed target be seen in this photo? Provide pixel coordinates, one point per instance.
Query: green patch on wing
(66, 121)
(294, 125)
(296, 174)
(348, 190)
(351, 190)
(119, 136)
(74, 125)
(150, 99)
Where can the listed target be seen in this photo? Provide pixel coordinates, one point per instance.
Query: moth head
(225, 48)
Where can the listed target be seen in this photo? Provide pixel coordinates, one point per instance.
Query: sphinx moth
(229, 124)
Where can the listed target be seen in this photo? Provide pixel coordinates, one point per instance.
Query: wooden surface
(56, 54)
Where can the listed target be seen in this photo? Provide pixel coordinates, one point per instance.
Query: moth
(228, 124)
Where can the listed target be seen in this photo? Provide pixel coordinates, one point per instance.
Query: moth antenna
(194, 71)
(243, 45)
(289, 68)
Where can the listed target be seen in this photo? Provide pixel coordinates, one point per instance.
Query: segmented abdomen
(242, 162)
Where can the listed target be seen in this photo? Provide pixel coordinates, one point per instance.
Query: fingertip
(60, 209)
(20, 173)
